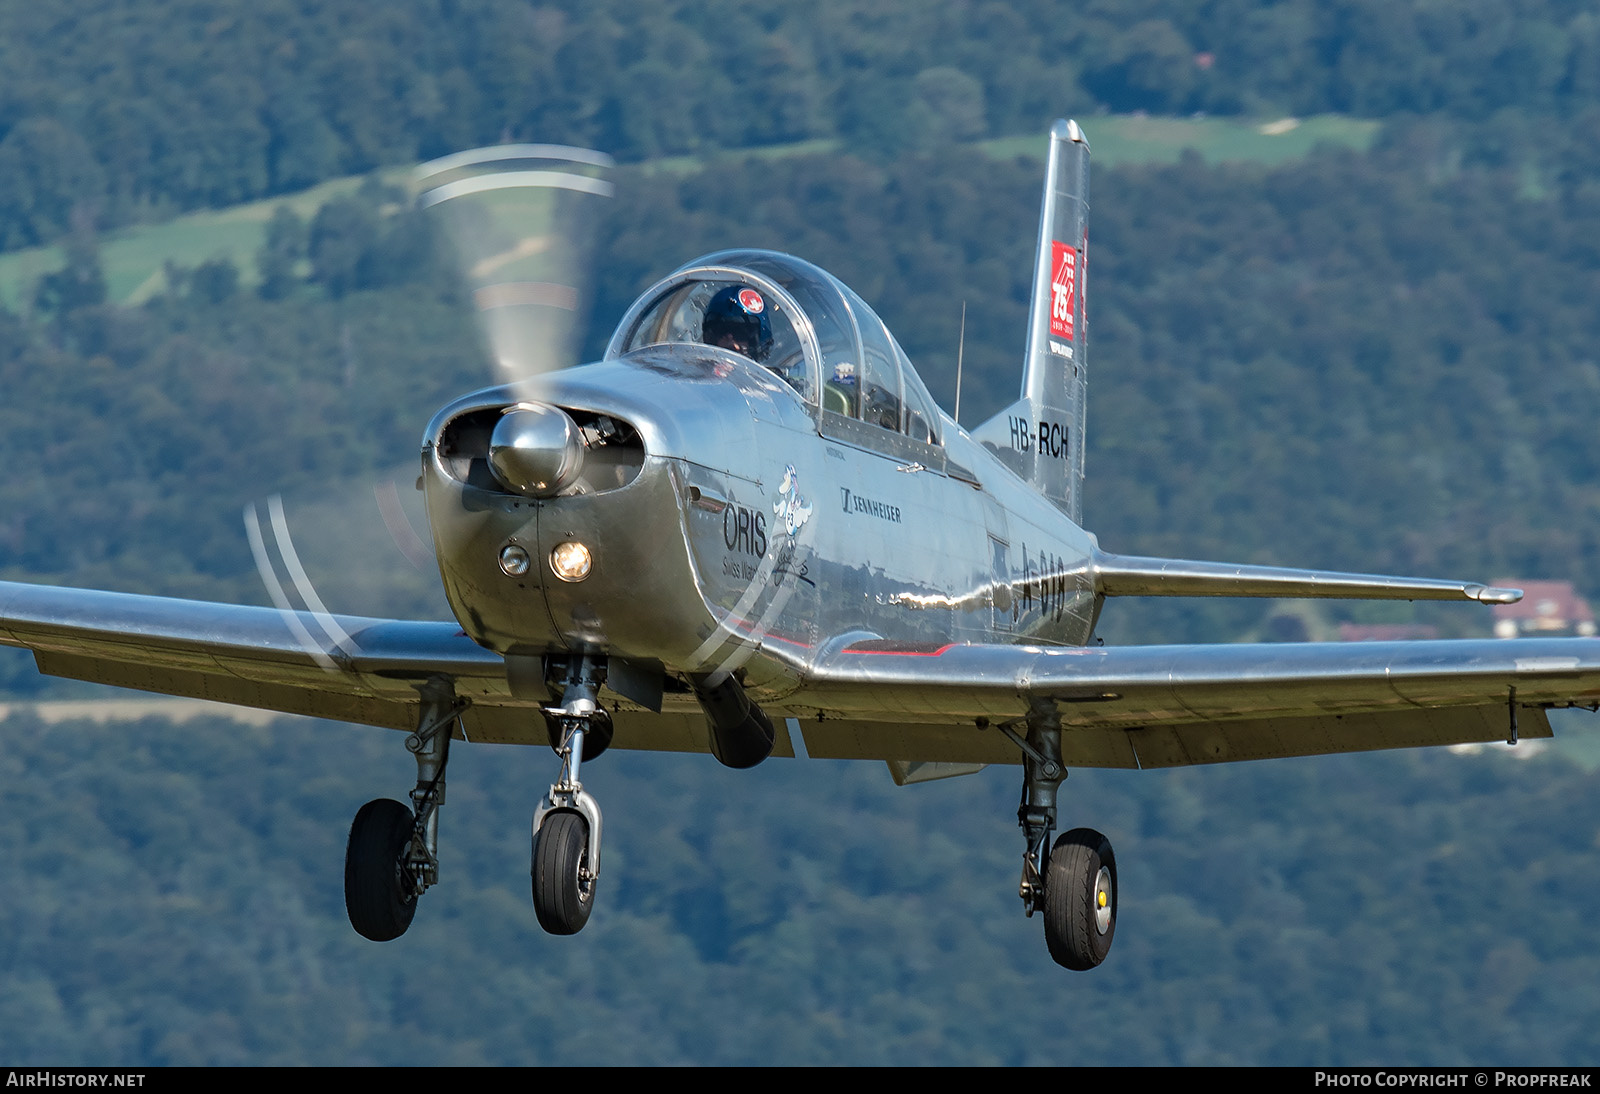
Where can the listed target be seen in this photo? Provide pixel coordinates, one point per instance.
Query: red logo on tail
(1063, 288)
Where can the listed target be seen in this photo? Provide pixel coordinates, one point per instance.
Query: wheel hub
(1102, 901)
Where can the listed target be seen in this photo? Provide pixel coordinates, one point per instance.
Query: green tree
(46, 172)
(214, 281)
(282, 249)
(949, 105)
(342, 237)
(80, 283)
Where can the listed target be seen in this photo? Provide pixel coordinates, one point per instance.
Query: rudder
(1040, 436)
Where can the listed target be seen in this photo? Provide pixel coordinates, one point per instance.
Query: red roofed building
(1546, 608)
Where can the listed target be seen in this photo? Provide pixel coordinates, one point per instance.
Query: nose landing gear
(566, 825)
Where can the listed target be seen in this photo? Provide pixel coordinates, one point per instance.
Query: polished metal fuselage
(759, 533)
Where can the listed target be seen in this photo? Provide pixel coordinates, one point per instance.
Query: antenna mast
(961, 345)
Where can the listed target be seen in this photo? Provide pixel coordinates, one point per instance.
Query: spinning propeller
(521, 221)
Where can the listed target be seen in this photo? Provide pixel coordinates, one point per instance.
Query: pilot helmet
(736, 319)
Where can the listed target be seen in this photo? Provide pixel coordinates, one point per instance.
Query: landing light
(514, 561)
(571, 561)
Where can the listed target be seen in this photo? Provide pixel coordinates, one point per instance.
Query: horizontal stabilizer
(1129, 575)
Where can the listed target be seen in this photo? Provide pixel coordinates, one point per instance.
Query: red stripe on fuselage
(905, 653)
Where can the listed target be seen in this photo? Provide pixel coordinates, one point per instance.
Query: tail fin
(1040, 436)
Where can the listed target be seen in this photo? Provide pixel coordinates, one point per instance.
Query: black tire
(1077, 928)
(376, 896)
(561, 898)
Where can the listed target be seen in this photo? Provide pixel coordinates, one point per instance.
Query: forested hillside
(174, 897)
(136, 110)
(1384, 359)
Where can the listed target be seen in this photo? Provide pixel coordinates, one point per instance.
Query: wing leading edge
(347, 668)
(1162, 706)
(1138, 706)
(248, 656)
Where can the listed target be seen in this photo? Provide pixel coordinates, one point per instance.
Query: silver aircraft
(750, 528)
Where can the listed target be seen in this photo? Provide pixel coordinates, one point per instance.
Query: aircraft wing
(347, 668)
(1131, 706)
(248, 656)
(1167, 706)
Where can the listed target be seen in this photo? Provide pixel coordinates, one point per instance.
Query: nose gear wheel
(563, 887)
(566, 825)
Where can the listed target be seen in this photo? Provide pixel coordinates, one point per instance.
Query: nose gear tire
(563, 895)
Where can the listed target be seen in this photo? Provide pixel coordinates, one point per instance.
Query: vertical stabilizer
(1040, 437)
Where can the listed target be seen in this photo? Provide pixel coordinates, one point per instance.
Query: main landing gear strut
(392, 857)
(1073, 883)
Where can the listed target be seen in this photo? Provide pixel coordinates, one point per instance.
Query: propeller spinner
(536, 450)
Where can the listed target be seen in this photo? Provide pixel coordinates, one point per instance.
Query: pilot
(736, 319)
(839, 393)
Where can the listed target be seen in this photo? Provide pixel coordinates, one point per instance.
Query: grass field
(1132, 139)
(135, 258)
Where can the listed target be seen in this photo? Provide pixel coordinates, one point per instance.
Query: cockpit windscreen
(730, 314)
(796, 320)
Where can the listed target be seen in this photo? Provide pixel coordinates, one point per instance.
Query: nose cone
(536, 450)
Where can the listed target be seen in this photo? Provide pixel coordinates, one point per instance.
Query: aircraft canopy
(826, 343)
